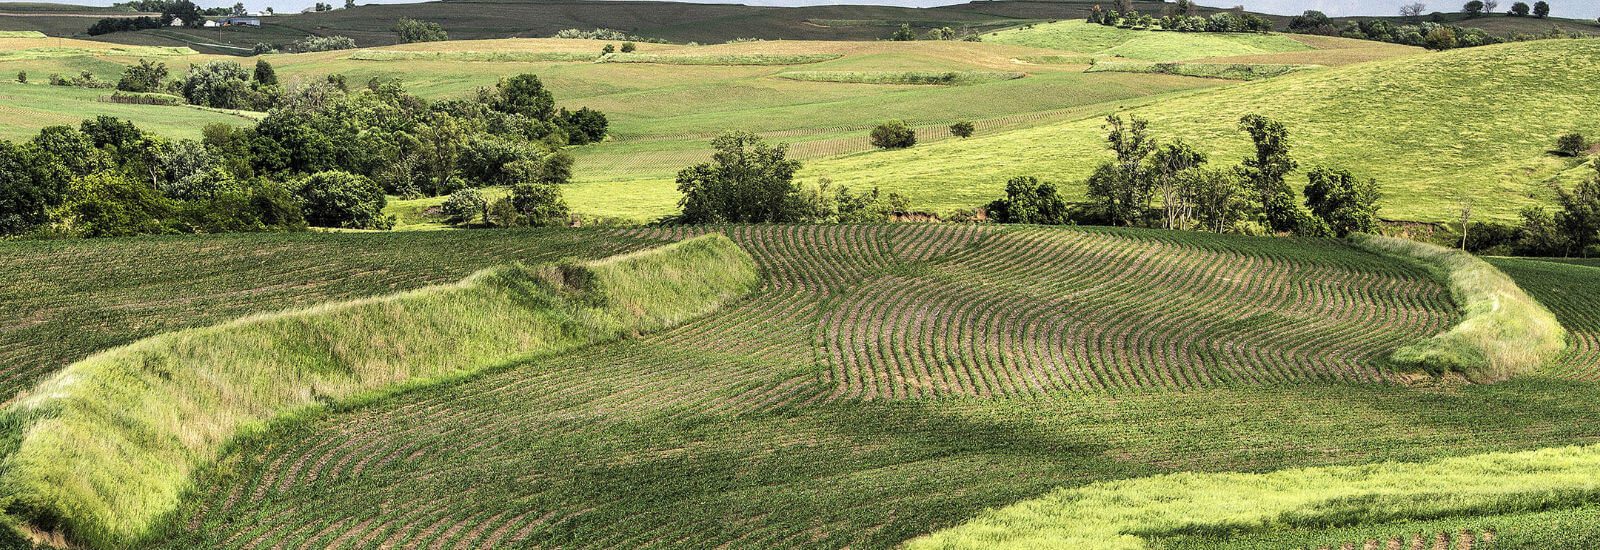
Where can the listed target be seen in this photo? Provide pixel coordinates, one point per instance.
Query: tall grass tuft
(107, 444)
(1503, 331)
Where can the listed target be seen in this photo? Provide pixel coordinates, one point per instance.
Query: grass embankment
(1225, 71)
(946, 78)
(1131, 513)
(107, 445)
(1571, 289)
(1503, 331)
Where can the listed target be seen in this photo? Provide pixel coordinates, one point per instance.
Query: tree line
(1170, 185)
(324, 155)
(1436, 34)
(1182, 16)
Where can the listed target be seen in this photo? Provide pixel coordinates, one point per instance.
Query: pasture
(883, 382)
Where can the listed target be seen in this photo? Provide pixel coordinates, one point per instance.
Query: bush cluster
(324, 155)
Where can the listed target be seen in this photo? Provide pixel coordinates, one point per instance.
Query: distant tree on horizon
(1541, 9)
(1413, 11)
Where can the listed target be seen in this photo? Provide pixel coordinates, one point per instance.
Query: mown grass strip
(1131, 513)
(941, 78)
(21, 34)
(1503, 331)
(107, 445)
(1225, 71)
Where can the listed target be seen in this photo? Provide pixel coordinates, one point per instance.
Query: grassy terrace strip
(1130, 513)
(1573, 293)
(946, 78)
(1503, 331)
(107, 445)
(21, 34)
(1226, 71)
(471, 56)
(721, 59)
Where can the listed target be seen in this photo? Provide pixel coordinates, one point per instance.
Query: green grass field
(1102, 41)
(885, 382)
(1418, 124)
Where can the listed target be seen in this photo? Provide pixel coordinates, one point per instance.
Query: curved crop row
(1042, 310)
(108, 443)
(1503, 332)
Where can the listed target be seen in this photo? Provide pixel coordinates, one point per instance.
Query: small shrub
(961, 129)
(465, 206)
(1572, 144)
(340, 199)
(412, 30)
(894, 134)
(22, 77)
(539, 204)
(628, 47)
(322, 44)
(609, 49)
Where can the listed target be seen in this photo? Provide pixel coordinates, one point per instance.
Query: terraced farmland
(53, 315)
(755, 428)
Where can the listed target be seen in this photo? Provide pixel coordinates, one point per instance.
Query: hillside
(1430, 128)
(801, 415)
(675, 22)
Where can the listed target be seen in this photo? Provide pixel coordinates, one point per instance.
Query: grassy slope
(663, 115)
(1127, 514)
(1430, 128)
(1503, 331)
(110, 441)
(43, 105)
(730, 428)
(1100, 40)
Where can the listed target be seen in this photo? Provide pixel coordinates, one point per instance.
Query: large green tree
(1264, 173)
(747, 180)
(1346, 203)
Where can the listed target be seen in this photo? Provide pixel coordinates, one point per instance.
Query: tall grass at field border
(1503, 332)
(1130, 513)
(106, 446)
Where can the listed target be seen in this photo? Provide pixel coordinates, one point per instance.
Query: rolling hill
(1432, 129)
(883, 382)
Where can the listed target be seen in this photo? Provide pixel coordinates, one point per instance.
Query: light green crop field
(1144, 45)
(882, 383)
